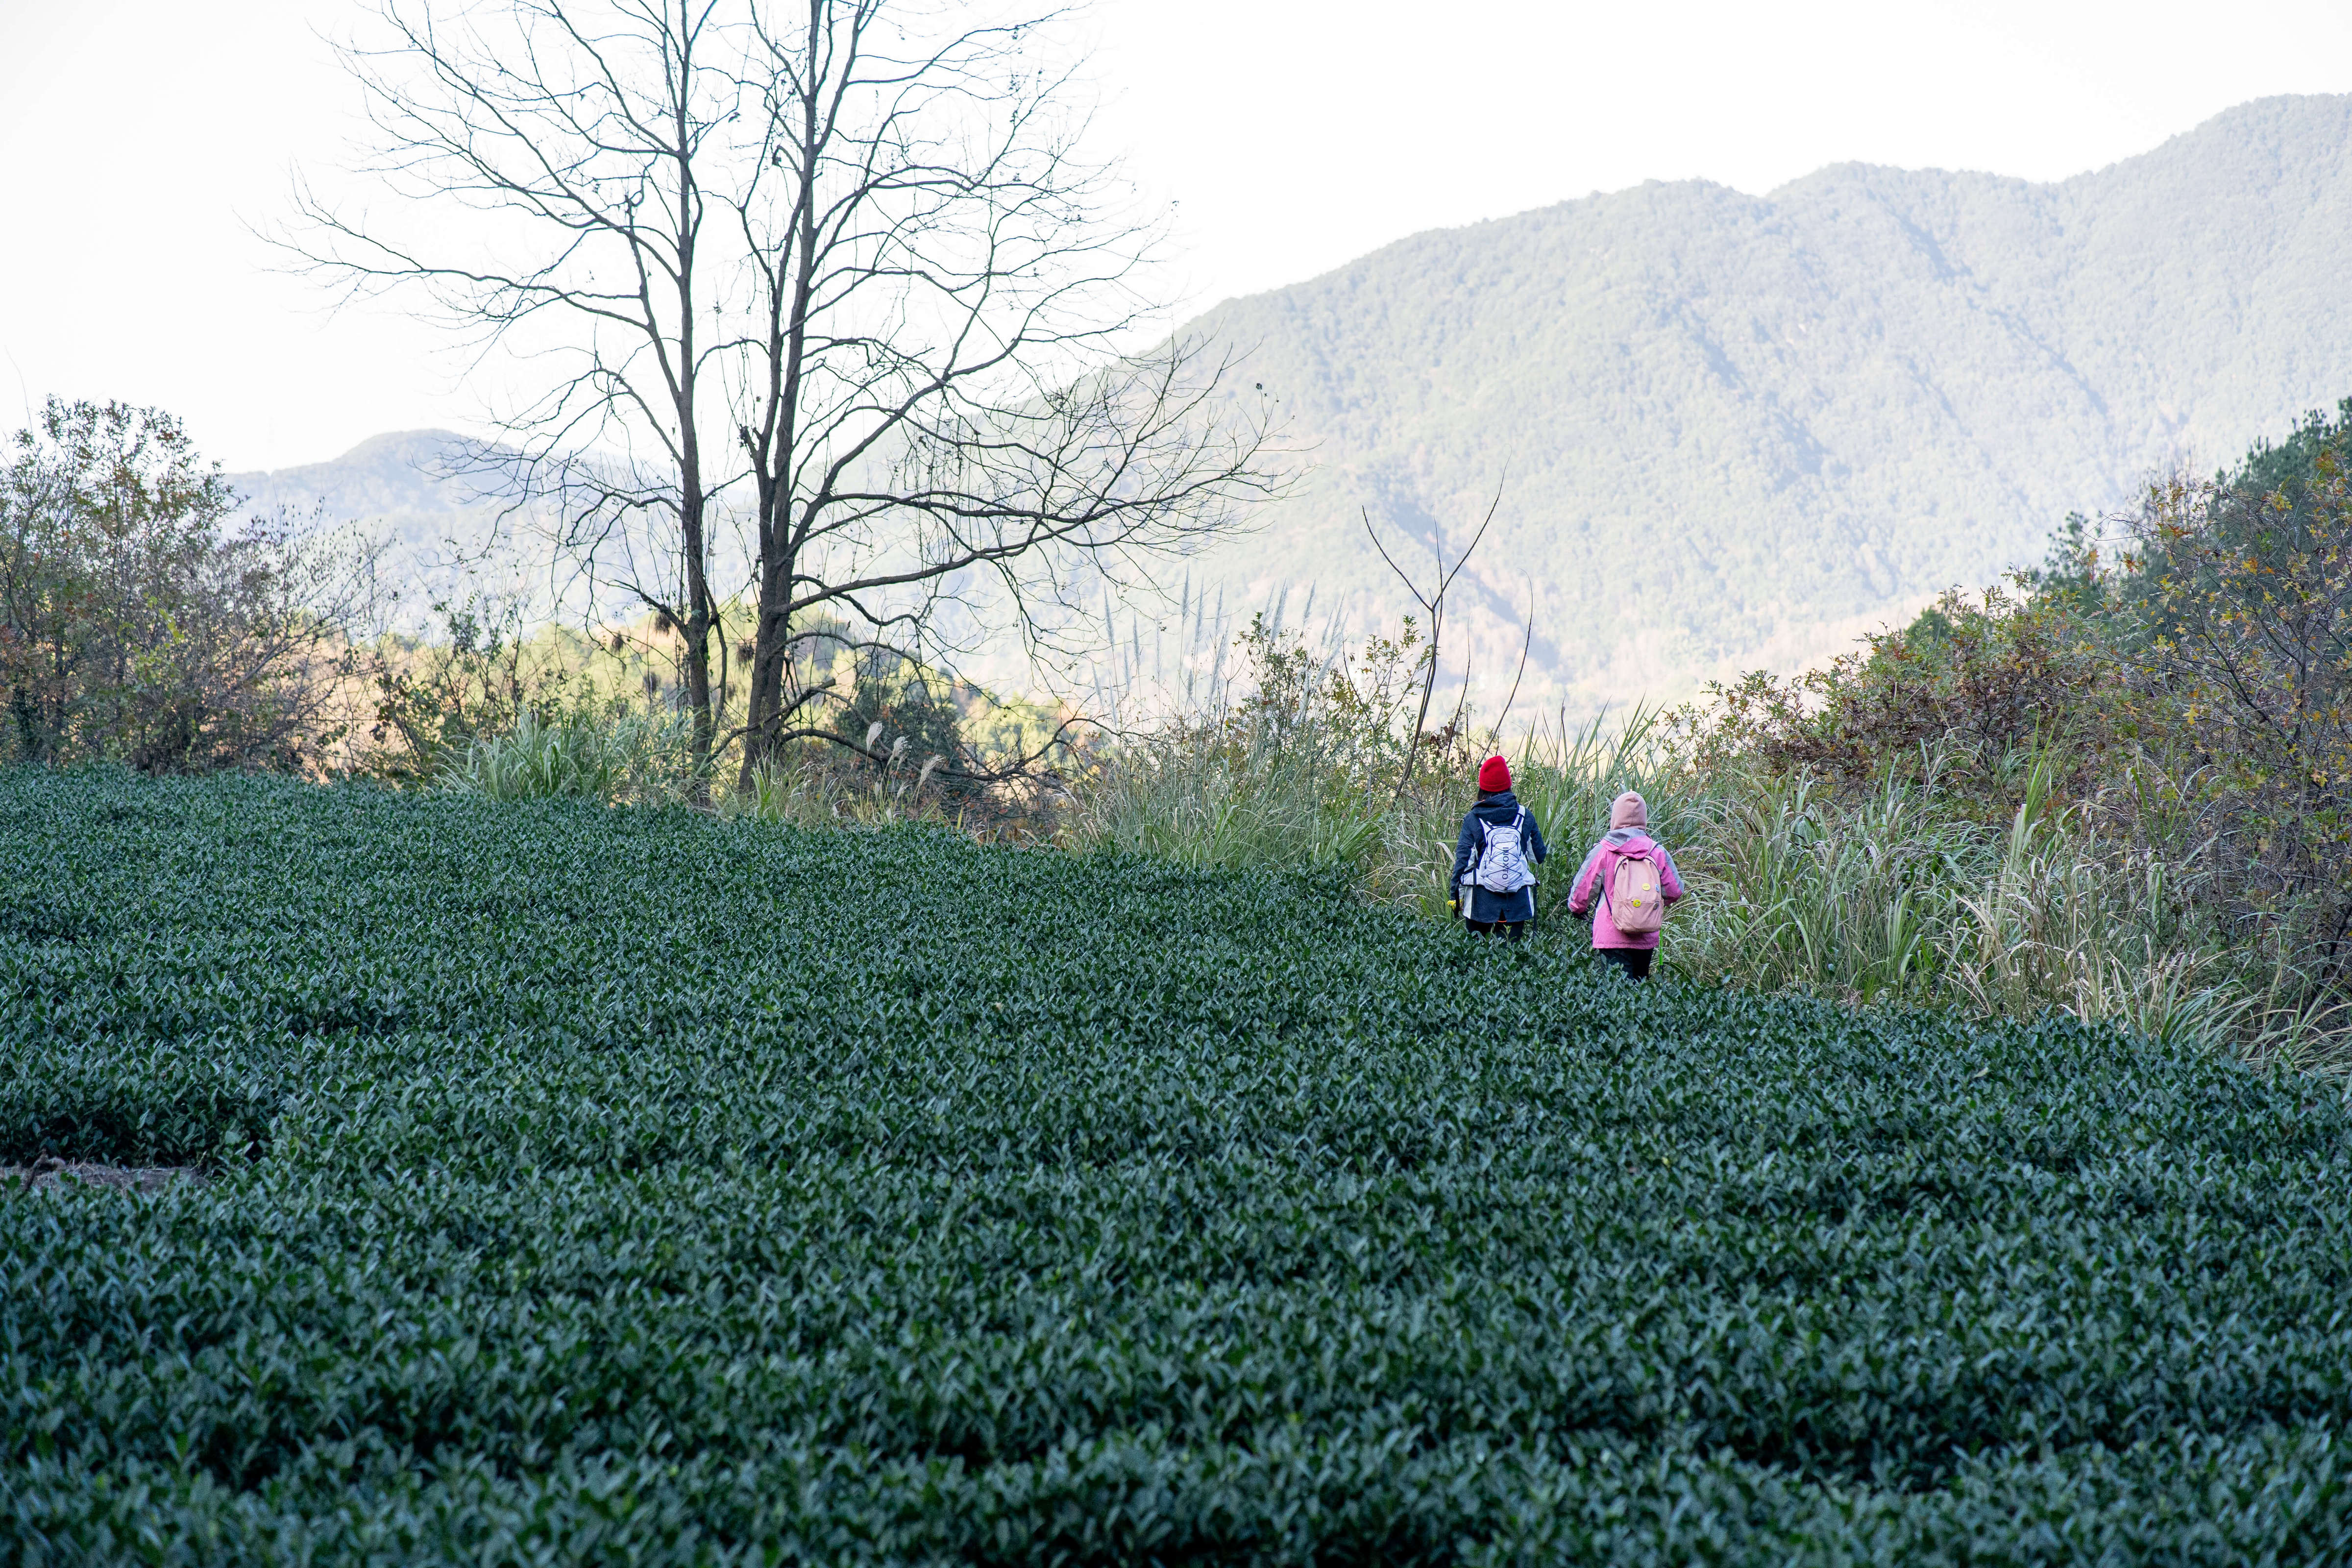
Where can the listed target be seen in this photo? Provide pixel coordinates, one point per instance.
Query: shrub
(140, 623)
(907, 715)
(434, 699)
(1970, 691)
(2238, 592)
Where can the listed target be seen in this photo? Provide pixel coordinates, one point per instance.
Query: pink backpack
(1637, 903)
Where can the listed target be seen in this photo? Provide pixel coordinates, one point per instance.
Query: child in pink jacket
(1629, 824)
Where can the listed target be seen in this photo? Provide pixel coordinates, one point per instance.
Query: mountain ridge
(1767, 414)
(1730, 428)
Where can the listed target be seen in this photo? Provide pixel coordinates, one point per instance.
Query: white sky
(139, 138)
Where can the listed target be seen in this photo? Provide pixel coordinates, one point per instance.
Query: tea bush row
(626, 1187)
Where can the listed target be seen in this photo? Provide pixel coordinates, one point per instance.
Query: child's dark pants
(1633, 961)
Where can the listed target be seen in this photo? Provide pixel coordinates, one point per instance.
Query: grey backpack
(1503, 861)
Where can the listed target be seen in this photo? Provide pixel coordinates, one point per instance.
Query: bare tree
(1432, 604)
(833, 275)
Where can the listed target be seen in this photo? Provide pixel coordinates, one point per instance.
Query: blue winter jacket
(1496, 810)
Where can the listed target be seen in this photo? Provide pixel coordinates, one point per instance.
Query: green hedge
(628, 1186)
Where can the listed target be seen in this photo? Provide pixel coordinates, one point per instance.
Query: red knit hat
(1494, 776)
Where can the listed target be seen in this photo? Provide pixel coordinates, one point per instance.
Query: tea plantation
(632, 1187)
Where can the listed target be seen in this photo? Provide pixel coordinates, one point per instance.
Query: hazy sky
(141, 137)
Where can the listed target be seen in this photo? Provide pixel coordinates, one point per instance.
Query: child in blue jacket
(1494, 880)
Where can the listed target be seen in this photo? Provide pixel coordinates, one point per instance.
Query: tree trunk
(773, 452)
(771, 652)
(700, 615)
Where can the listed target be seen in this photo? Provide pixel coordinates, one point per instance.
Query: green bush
(143, 622)
(2236, 596)
(634, 1186)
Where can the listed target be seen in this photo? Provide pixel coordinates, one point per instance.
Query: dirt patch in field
(43, 1174)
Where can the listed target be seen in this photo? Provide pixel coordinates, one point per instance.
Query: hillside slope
(1770, 421)
(1776, 416)
(416, 491)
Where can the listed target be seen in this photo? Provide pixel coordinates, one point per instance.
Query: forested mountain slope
(1782, 418)
(413, 491)
(1758, 424)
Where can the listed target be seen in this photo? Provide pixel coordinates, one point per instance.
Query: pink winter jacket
(1590, 889)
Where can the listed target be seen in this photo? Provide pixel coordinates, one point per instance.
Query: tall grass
(1262, 793)
(619, 759)
(1791, 892)
(804, 788)
(1892, 897)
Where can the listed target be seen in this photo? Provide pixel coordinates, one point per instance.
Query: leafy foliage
(432, 700)
(2241, 592)
(576, 1192)
(139, 621)
(910, 709)
(1966, 692)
